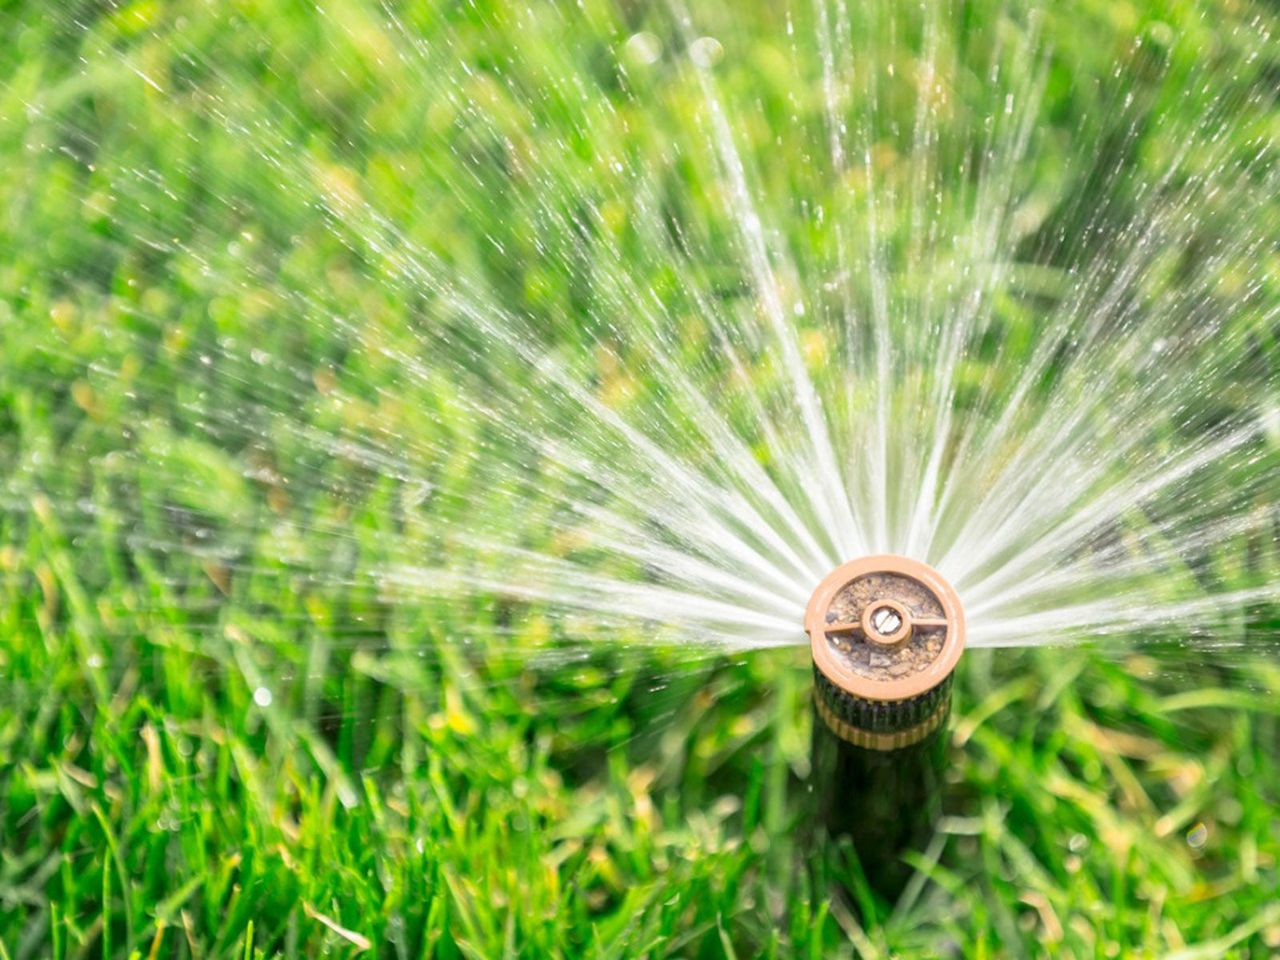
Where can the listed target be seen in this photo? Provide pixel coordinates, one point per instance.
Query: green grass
(426, 780)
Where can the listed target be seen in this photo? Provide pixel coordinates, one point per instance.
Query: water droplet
(706, 51)
(643, 48)
(262, 697)
(1197, 836)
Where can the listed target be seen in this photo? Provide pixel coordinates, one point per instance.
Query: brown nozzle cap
(885, 627)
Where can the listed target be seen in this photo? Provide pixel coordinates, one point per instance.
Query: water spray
(886, 633)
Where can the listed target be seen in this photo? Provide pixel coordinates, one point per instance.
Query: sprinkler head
(885, 633)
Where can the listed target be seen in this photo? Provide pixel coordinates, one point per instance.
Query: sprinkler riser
(882, 803)
(886, 633)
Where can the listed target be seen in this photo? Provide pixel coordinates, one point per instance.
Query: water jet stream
(671, 384)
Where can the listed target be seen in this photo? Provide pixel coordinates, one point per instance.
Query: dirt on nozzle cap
(885, 628)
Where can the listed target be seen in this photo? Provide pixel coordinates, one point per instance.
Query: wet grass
(216, 740)
(460, 805)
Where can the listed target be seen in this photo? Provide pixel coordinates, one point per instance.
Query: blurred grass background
(216, 740)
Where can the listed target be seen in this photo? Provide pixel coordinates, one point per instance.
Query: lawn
(223, 733)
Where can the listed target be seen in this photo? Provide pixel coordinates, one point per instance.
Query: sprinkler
(886, 633)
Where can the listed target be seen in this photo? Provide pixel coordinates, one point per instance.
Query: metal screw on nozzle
(885, 620)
